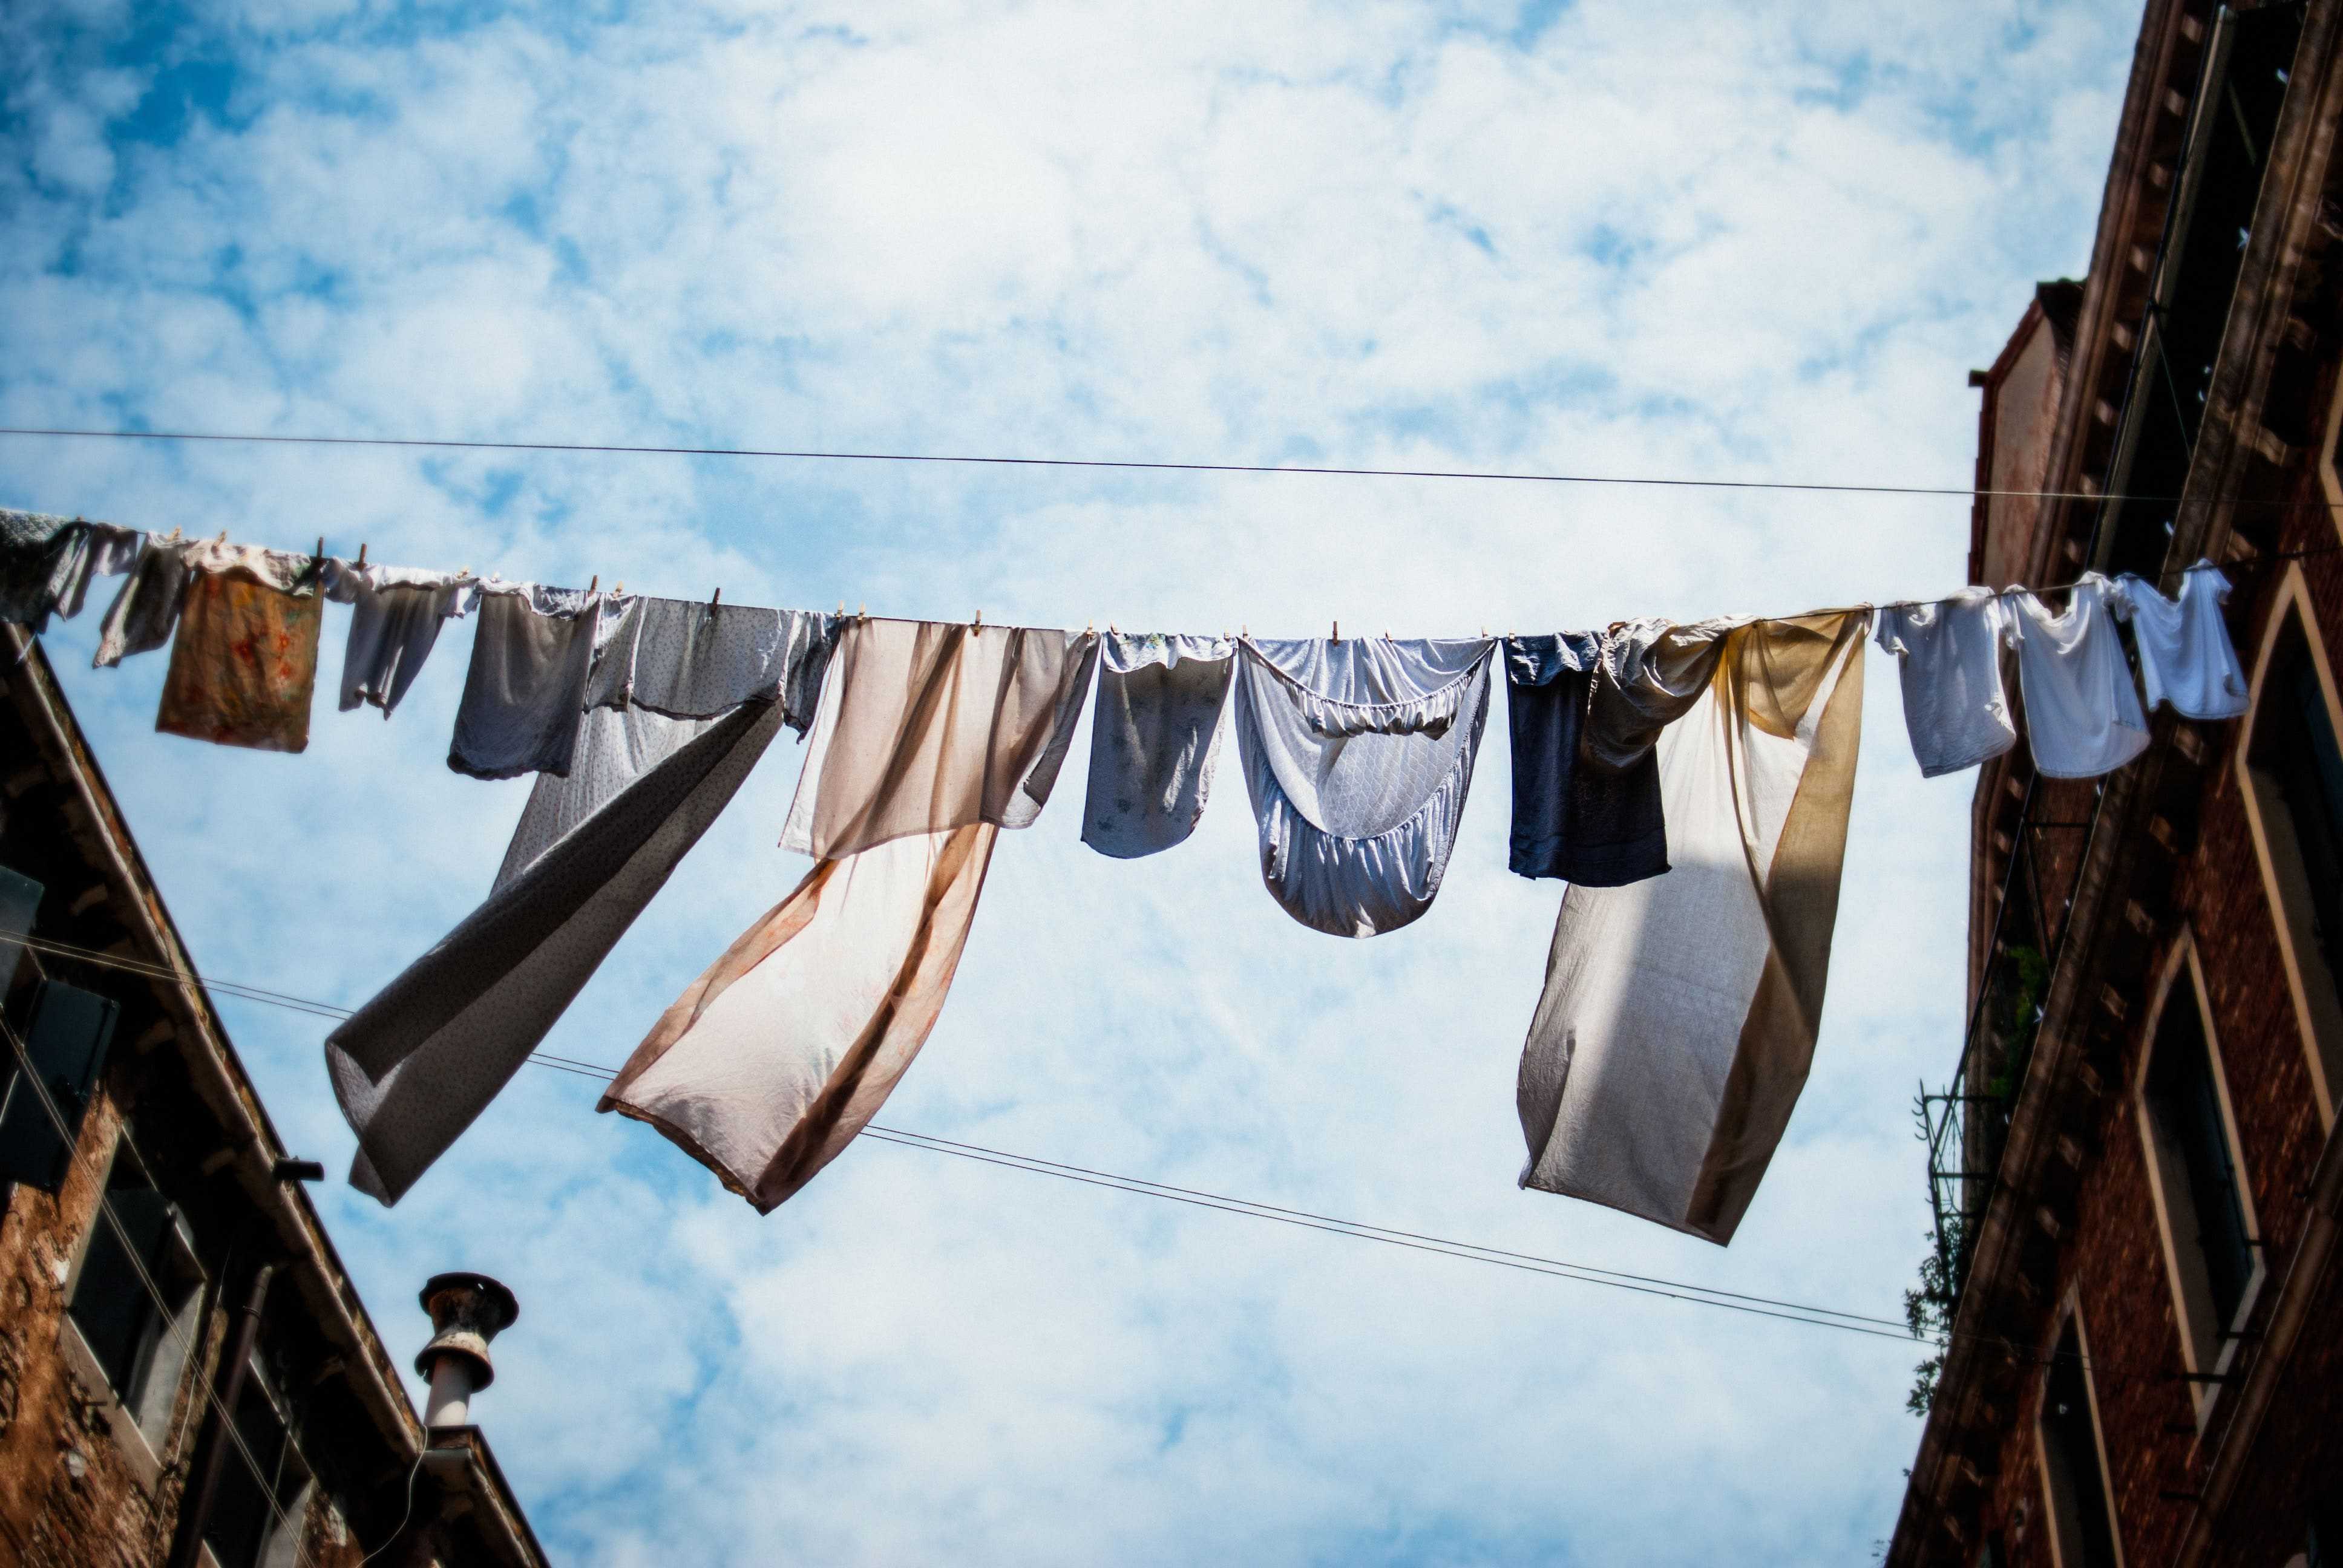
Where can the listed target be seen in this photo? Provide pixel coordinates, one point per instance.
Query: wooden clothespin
(321, 546)
(977, 625)
(618, 588)
(861, 611)
(593, 582)
(362, 549)
(223, 537)
(714, 599)
(1338, 632)
(841, 609)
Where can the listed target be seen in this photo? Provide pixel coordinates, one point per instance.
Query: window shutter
(67, 1041)
(20, 898)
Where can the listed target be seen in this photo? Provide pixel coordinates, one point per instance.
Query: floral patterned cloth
(244, 661)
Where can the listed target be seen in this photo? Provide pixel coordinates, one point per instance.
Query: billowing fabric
(2185, 656)
(146, 610)
(1358, 756)
(244, 662)
(930, 737)
(1577, 816)
(415, 1065)
(2083, 715)
(102, 550)
(687, 660)
(395, 614)
(768, 1065)
(41, 558)
(1679, 1014)
(421, 1060)
(1949, 660)
(926, 726)
(1155, 735)
(526, 689)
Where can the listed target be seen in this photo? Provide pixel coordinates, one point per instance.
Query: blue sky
(1741, 242)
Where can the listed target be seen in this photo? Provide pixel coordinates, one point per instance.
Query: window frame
(146, 1421)
(2205, 1347)
(2058, 1508)
(2315, 989)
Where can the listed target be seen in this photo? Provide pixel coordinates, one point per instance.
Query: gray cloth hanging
(146, 610)
(1358, 756)
(396, 616)
(414, 1066)
(526, 686)
(1155, 735)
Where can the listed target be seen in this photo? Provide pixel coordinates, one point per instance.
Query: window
(256, 1520)
(2293, 771)
(2196, 1169)
(140, 1343)
(2232, 124)
(2073, 1471)
(65, 1041)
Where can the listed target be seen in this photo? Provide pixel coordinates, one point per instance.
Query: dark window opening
(2186, 1101)
(2295, 746)
(136, 1297)
(256, 1518)
(2078, 1482)
(2246, 76)
(65, 1037)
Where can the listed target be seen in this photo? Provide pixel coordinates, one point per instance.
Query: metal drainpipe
(212, 1442)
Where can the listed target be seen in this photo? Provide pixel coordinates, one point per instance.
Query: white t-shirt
(2083, 715)
(1949, 655)
(2186, 657)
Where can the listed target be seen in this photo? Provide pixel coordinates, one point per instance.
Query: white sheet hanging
(1679, 1013)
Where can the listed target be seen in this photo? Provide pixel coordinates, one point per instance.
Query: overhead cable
(1966, 492)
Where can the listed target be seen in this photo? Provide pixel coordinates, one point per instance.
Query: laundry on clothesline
(1358, 756)
(1690, 784)
(1155, 735)
(414, 1066)
(395, 614)
(931, 738)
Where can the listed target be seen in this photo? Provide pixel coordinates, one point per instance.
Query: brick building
(186, 1376)
(2134, 1164)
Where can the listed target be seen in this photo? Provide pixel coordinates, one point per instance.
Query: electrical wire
(1673, 1290)
(1966, 492)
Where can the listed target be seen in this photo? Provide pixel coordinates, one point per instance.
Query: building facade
(186, 1376)
(2134, 1164)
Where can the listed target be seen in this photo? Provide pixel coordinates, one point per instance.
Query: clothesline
(1656, 481)
(2247, 563)
(1689, 783)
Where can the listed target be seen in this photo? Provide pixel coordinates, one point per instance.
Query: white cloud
(1725, 243)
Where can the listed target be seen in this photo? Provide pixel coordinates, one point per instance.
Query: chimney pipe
(467, 1312)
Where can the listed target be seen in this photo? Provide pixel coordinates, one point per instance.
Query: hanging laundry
(245, 660)
(1679, 1014)
(395, 614)
(679, 656)
(1949, 661)
(1155, 734)
(2083, 715)
(525, 689)
(2185, 656)
(146, 610)
(1358, 756)
(928, 725)
(766, 1068)
(1585, 711)
(43, 565)
(930, 737)
(414, 1066)
(102, 551)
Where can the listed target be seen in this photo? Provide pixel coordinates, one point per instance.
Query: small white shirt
(1950, 657)
(2083, 715)
(2186, 657)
